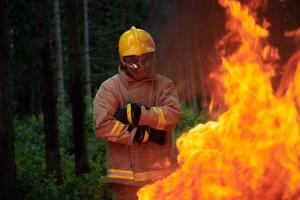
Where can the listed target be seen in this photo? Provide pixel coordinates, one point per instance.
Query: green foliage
(30, 159)
(188, 119)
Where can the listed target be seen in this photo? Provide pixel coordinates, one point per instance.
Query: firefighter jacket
(127, 161)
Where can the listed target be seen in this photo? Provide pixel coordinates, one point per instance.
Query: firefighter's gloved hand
(142, 134)
(145, 134)
(131, 114)
(157, 136)
(121, 116)
(133, 111)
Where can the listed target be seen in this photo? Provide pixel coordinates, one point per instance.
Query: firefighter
(135, 111)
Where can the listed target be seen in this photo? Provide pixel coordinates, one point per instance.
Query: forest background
(54, 54)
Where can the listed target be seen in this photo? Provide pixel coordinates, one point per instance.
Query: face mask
(139, 67)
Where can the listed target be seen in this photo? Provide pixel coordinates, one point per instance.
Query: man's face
(139, 66)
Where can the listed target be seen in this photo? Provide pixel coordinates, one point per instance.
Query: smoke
(186, 52)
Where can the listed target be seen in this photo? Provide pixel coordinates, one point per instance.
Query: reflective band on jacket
(129, 113)
(161, 117)
(118, 173)
(118, 127)
(140, 176)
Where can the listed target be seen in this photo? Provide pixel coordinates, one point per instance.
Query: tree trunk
(86, 50)
(53, 167)
(7, 148)
(76, 85)
(59, 61)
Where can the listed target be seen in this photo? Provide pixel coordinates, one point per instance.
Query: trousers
(124, 192)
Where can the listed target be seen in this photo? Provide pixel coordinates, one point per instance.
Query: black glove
(145, 134)
(121, 116)
(157, 136)
(141, 135)
(133, 111)
(131, 114)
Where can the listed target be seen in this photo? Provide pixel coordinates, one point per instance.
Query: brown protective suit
(128, 162)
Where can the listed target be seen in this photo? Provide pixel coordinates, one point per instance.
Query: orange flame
(253, 150)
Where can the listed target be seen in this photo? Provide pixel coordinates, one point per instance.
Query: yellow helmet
(135, 42)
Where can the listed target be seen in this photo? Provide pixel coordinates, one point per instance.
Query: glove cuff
(142, 134)
(133, 112)
(129, 111)
(146, 136)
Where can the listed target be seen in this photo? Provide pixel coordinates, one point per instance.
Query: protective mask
(139, 67)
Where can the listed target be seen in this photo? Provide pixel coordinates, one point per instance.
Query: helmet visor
(139, 60)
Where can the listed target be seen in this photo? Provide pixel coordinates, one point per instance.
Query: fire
(253, 150)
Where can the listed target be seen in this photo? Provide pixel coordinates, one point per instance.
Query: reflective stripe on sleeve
(118, 127)
(146, 136)
(161, 117)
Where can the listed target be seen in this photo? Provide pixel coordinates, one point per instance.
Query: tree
(7, 149)
(86, 49)
(53, 167)
(73, 29)
(59, 60)
(25, 62)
